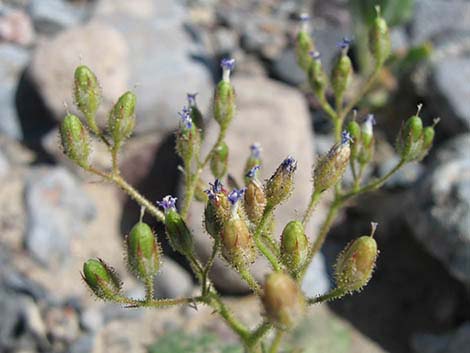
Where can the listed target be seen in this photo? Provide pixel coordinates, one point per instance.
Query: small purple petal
(345, 43)
(236, 195)
(168, 203)
(255, 150)
(252, 172)
(304, 17)
(227, 64)
(214, 189)
(186, 118)
(192, 99)
(314, 54)
(345, 137)
(289, 164)
(370, 119)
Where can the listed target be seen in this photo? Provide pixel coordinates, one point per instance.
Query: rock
(97, 45)
(16, 27)
(58, 210)
(84, 344)
(165, 62)
(4, 165)
(405, 177)
(286, 69)
(450, 91)
(172, 281)
(316, 281)
(51, 16)
(440, 213)
(91, 319)
(62, 325)
(276, 116)
(12, 62)
(454, 342)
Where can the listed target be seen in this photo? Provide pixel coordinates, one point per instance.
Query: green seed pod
(283, 300)
(143, 254)
(238, 246)
(219, 160)
(355, 264)
(75, 140)
(188, 143)
(121, 120)
(317, 77)
(211, 221)
(367, 140)
(280, 185)
(409, 140)
(101, 279)
(294, 246)
(178, 233)
(87, 95)
(379, 39)
(330, 168)
(303, 46)
(342, 71)
(255, 201)
(354, 131)
(428, 138)
(253, 160)
(224, 97)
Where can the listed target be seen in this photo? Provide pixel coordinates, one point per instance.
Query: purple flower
(304, 17)
(168, 203)
(345, 137)
(252, 172)
(186, 118)
(314, 54)
(227, 64)
(192, 99)
(235, 195)
(289, 164)
(345, 43)
(255, 150)
(214, 189)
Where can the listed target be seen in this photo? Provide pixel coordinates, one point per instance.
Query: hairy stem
(250, 280)
(259, 242)
(276, 342)
(311, 207)
(334, 294)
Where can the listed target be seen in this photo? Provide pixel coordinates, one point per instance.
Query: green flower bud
(179, 236)
(355, 264)
(224, 98)
(409, 142)
(342, 71)
(75, 140)
(121, 120)
(238, 246)
(101, 279)
(255, 201)
(211, 220)
(87, 95)
(253, 160)
(304, 44)
(283, 300)
(379, 39)
(143, 254)
(354, 131)
(196, 115)
(316, 75)
(330, 168)
(367, 140)
(428, 138)
(280, 185)
(294, 246)
(218, 209)
(219, 160)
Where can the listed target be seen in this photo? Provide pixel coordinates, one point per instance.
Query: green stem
(327, 108)
(311, 207)
(259, 242)
(250, 280)
(259, 332)
(149, 288)
(334, 294)
(157, 303)
(208, 266)
(276, 342)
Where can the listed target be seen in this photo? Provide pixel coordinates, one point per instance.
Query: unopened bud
(342, 70)
(219, 160)
(255, 200)
(253, 160)
(379, 39)
(354, 131)
(237, 243)
(304, 44)
(316, 75)
(196, 115)
(280, 185)
(294, 246)
(87, 95)
(356, 263)
(283, 300)
(367, 140)
(224, 98)
(330, 168)
(428, 139)
(121, 120)
(179, 236)
(101, 279)
(409, 141)
(75, 140)
(143, 254)
(188, 139)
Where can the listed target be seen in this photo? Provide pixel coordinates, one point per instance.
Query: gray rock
(276, 116)
(172, 280)
(316, 281)
(455, 342)
(91, 319)
(4, 165)
(13, 59)
(84, 344)
(165, 63)
(450, 90)
(440, 213)
(58, 210)
(405, 177)
(51, 16)
(286, 69)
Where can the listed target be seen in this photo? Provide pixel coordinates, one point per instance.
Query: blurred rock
(16, 27)
(276, 116)
(84, 344)
(286, 69)
(457, 341)
(165, 61)
(62, 325)
(439, 215)
(91, 319)
(4, 165)
(95, 44)
(13, 59)
(58, 210)
(316, 281)
(172, 280)
(405, 177)
(51, 16)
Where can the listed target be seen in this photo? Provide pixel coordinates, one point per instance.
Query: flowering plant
(240, 220)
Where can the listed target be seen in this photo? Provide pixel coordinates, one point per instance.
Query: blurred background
(53, 216)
